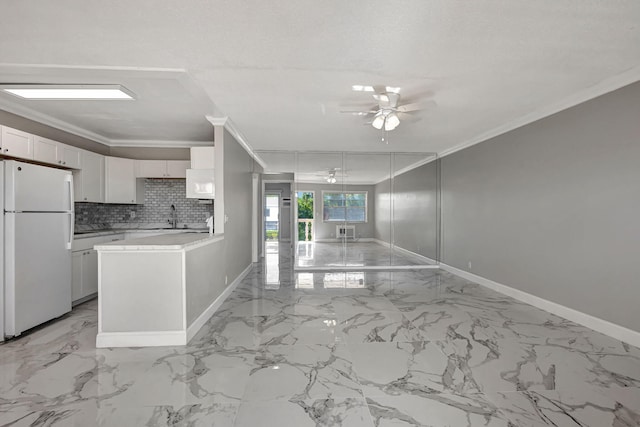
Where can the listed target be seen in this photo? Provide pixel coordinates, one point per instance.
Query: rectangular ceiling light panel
(69, 92)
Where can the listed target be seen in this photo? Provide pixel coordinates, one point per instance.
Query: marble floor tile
(378, 327)
(90, 414)
(330, 348)
(580, 407)
(334, 412)
(435, 410)
(300, 372)
(408, 368)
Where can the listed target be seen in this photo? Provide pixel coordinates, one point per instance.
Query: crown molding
(46, 119)
(154, 143)
(231, 128)
(608, 85)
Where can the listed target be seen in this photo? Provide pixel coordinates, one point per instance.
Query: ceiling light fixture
(331, 179)
(68, 92)
(386, 119)
(362, 88)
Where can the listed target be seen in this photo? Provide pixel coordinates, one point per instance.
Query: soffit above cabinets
(283, 72)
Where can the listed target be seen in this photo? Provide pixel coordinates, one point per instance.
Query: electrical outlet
(225, 280)
(469, 264)
(132, 214)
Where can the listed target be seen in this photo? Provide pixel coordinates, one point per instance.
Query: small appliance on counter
(36, 236)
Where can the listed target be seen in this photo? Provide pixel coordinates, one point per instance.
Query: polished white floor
(328, 348)
(353, 254)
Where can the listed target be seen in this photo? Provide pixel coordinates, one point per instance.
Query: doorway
(305, 201)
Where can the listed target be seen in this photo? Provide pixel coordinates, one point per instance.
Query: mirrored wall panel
(356, 211)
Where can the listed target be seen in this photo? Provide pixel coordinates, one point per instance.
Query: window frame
(337, 221)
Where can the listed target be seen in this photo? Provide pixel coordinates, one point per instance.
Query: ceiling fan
(330, 175)
(390, 111)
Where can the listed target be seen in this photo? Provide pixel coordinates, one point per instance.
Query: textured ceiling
(281, 70)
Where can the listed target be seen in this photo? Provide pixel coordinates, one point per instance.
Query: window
(340, 206)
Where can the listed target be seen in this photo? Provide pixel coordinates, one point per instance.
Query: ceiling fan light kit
(389, 111)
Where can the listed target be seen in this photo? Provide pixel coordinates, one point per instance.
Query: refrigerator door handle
(71, 223)
(69, 180)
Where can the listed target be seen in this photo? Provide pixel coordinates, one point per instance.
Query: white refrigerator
(37, 234)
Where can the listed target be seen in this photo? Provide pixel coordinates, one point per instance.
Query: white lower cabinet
(84, 278)
(84, 267)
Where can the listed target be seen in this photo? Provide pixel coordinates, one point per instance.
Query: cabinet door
(89, 181)
(89, 272)
(68, 156)
(152, 169)
(177, 168)
(45, 150)
(16, 143)
(120, 181)
(76, 275)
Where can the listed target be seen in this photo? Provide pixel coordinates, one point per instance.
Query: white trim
(407, 252)
(229, 126)
(367, 267)
(154, 143)
(605, 86)
(140, 339)
(48, 120)
(611, 329)
(197, 324)
(339, 240)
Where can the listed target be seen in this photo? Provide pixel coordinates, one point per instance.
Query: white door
(37, 269)
(37, 188)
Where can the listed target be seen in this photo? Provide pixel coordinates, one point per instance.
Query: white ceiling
(281, 70)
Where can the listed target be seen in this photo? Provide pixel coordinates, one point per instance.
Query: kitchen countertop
(98, 233)
(174, 241)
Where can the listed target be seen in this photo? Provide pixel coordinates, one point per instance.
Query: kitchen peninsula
(158, 290)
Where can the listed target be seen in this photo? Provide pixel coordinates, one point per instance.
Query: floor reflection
(353, 254)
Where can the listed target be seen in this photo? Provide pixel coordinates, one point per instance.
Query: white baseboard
(193, 329)
(356, 240)
(140, 339)
(603, 326)
(407, 252)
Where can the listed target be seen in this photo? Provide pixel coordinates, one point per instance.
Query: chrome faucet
(174, 217)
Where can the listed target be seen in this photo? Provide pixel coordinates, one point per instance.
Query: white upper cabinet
(16, 143)
(49, 151)
(202, 157)
(177, 168)
(121, 185)
(161, 168)
(89, 181)
(68, 156)
(45, 150)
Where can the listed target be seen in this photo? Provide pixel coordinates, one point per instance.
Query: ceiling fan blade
(408, 117)
(405, 108)
(359, 113)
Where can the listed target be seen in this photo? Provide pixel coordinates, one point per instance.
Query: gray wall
(26, 125)
(327, 230)
(238, 169)
(151, 153)
(553, 208)
(415, 210)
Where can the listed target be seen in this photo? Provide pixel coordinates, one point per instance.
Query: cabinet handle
(64, 163)
(59, 162)
(85, 198)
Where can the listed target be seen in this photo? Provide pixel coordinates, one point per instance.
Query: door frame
(292, 212)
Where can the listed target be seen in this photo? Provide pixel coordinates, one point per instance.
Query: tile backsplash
(159, 195)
